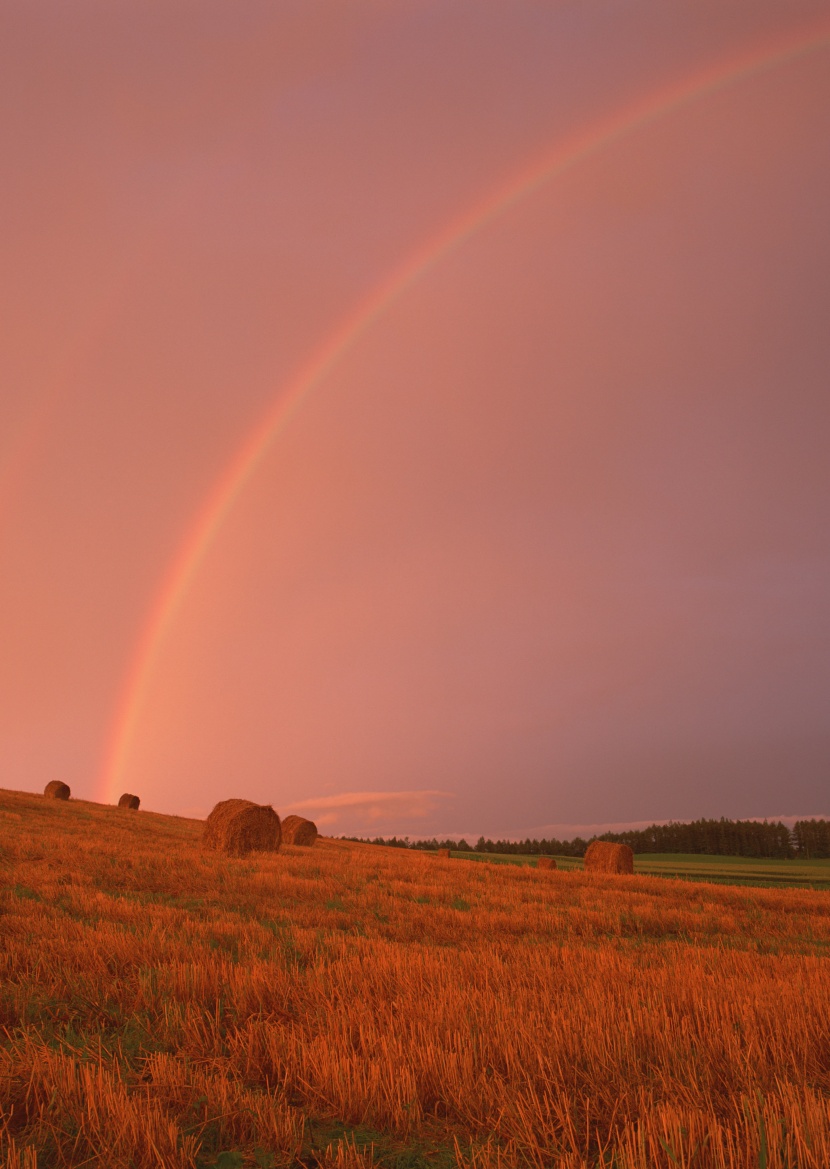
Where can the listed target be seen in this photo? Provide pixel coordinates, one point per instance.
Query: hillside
(350, 1005)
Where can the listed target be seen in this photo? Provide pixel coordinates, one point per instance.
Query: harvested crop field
(166, 1005)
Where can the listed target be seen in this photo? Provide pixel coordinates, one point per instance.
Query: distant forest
(808, 839)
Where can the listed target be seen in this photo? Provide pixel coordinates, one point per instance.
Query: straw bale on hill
(238, 827)
(298, 830)
(56, 790)
(445, 852)
(546, 862)
(128, 801)
(602, 856)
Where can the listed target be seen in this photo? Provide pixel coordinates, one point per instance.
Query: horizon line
(571, 831)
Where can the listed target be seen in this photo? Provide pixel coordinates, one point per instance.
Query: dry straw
(298, 830)
(238, 827)
(546, 862)
(445, 852)
(56, 790)
(128, 801)
(602, 856)
(740, 995)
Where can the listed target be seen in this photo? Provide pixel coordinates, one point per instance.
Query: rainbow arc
(244, 464)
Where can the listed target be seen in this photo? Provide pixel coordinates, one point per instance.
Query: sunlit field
(352, 1005)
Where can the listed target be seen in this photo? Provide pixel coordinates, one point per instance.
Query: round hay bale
(546, 862)
(444, 852)
(128, 801)
(602, 856)
(56, 790)
(298, 830)
(238, 827)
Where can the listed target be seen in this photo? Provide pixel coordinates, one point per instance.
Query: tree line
(807, 839)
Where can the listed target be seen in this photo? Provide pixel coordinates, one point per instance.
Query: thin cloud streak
(403, 805)
(372, 808)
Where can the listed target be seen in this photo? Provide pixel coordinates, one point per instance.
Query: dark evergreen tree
(751, 838)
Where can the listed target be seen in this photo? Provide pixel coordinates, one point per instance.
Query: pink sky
(546, 543)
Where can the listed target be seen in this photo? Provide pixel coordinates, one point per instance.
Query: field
(350, 1005)
(728, 870)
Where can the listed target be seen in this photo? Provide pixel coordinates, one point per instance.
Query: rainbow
(225, 492)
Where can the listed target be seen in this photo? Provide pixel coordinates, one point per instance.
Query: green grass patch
(758, 872)
(26, 894)
(736, 870)
(387, 1152)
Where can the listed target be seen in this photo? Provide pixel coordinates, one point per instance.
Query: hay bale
(546, 862)
(128, 801)
(238, 827)
(298, 830)
(444, 852)
(602, 856)
(56, 790)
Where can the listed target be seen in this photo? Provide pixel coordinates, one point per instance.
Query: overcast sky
(543, 539)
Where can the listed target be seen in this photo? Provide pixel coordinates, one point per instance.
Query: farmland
(351, 1005)
(728, 870)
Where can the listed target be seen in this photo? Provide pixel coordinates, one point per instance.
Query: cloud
(371, 810)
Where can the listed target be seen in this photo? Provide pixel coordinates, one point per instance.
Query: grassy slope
(163, 1006)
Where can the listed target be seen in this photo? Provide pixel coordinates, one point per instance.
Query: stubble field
(349, 1005)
